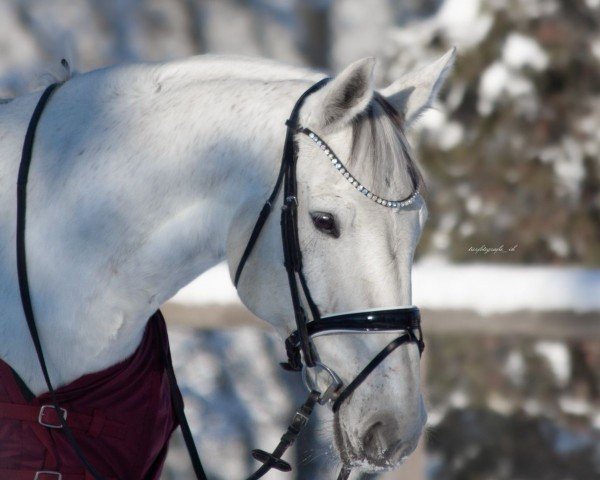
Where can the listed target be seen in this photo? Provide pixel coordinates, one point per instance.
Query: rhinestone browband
(335, 161)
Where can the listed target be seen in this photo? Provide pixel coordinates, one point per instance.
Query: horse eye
(325, 222)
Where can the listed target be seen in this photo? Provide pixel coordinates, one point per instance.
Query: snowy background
(507, 271)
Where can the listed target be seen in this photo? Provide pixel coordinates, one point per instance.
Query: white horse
(145, 176)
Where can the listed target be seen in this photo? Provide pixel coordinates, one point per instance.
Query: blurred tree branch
(195, 24)
(314, 17)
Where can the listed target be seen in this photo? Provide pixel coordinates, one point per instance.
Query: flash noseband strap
(365, 372)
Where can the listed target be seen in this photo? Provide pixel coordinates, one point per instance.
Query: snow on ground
(484, 288)
(213, 287)
(499, 289)
(558, 357)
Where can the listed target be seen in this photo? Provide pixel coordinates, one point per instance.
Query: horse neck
(142, 227)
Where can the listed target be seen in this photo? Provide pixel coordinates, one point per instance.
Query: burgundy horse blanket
(122, 417)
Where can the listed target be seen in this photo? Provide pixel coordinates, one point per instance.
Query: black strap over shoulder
(30, 318)
(22, 271)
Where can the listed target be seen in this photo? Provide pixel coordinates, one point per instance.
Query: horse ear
(415, 91)
(343, 98)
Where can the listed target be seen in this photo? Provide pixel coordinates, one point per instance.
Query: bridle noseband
(324, 385)
(373, 321)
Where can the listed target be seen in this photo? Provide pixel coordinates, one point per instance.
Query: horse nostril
(373, 440)
(386, 442)
(381, 441)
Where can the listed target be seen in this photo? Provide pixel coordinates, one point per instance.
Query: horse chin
(369, 465)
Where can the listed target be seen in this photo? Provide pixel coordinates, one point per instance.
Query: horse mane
(380, 146)
(214, 67)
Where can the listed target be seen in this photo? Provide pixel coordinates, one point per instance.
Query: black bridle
(301, 350)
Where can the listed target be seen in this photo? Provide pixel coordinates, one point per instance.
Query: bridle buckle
(290, 201)
(300, 420)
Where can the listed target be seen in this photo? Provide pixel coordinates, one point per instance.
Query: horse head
(357, 248)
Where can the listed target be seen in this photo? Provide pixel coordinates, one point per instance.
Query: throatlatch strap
(260, 223)
(22, 270)
(268, 206)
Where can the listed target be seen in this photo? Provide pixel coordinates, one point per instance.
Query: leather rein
(301, 350)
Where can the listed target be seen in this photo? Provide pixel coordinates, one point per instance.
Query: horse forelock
(381, 151)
